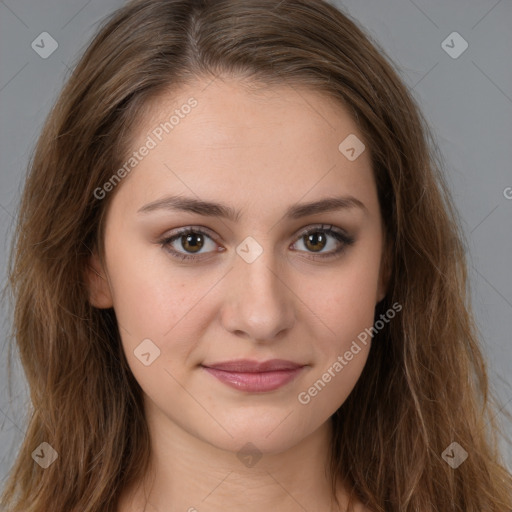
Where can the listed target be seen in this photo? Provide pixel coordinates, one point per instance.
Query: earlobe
(100, 295)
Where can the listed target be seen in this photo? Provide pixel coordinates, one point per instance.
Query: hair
(425, 382)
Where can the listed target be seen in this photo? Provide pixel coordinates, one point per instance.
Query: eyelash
(346, 241)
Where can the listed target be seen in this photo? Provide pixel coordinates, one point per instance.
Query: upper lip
(251, 366)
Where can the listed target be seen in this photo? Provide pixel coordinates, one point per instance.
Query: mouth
(254, 376)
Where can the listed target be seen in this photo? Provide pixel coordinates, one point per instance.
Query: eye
(315, 239)
(190, 239)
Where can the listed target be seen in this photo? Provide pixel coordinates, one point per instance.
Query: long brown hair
(425, 383)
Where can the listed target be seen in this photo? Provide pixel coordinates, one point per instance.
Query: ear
(100, 295)
(385, 270)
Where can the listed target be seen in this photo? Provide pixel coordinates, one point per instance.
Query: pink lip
(254, 376)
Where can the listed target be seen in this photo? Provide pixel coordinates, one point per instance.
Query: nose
(259, 300)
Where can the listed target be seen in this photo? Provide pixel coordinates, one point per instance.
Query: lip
(255, 376)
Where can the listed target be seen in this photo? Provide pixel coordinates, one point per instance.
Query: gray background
(467, 100)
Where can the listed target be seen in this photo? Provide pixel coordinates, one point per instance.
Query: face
(260, 276)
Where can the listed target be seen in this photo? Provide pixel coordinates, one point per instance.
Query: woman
(240, 280)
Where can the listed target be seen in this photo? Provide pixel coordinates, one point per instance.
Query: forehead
(231, 109)
(227, 138)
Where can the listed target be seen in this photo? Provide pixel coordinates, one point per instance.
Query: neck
(188, 474)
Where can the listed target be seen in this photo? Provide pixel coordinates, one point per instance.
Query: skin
(258, 151)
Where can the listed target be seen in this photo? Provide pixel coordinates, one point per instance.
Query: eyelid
(340, 234)
(214, 236)
(322, 227)
(168, 238)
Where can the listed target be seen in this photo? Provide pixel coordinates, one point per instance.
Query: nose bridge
(260, 304)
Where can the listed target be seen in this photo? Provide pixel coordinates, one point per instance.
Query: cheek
(346, 308)
(152, 300)
(157, 300)
(345, 300)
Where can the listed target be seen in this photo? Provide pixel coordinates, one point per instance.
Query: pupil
(189, 241)
(314, 238)
(316, 241)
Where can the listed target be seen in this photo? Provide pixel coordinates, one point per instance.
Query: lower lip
(255, 382)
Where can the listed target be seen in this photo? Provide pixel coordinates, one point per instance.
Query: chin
(269, 435)
(256, 444)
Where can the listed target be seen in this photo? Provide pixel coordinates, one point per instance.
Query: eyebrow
(213, 209)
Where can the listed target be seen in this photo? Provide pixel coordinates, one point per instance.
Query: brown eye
(318, 238)
(192, 242)
(315, 241)
(188, 244)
